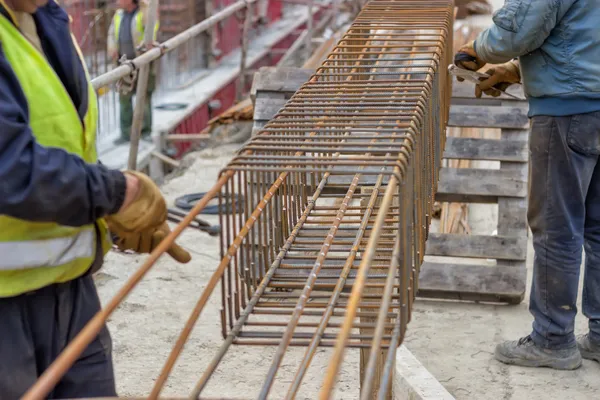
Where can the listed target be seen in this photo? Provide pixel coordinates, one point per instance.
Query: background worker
(125, 36)
(57, 205)
(558, 45)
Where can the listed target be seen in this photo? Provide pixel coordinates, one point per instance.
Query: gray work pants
(35, 327)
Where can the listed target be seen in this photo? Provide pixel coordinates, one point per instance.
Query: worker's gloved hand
(501, 77)
(147, 211)
(467, 58)
(147, 241)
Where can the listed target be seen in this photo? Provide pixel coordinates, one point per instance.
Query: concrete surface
(412, 381)
(455, 341)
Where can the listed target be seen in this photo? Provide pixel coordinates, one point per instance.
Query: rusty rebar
(325, 211)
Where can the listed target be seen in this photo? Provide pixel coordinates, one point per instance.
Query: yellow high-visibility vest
(37, 254)
(139, 26)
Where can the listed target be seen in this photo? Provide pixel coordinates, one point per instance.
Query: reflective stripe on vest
(49, 252)
(37, 254)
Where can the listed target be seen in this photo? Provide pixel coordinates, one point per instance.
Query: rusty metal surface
(327, 249)
(325, 212)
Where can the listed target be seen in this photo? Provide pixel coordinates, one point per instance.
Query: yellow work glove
(147, 211)
(467, 58)
(501, 77)
(142, 225)
(147, 241)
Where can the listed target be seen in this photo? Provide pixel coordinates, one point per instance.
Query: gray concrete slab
(412, 381)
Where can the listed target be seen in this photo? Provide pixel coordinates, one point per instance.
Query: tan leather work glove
(147, 241)
(147, 211)
(467, 58)
(501, 77)
(142, 225)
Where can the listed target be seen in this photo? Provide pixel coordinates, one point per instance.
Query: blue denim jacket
(558, 45)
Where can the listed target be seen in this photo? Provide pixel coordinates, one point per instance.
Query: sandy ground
(146, 326)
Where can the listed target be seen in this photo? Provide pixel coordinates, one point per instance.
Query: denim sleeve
(45, 184)
(520, 27)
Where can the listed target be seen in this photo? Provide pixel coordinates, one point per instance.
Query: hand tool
(474, 76)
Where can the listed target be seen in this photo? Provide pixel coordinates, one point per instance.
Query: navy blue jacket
(44, 184)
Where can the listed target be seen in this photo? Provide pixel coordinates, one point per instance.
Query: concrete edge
(412, 381)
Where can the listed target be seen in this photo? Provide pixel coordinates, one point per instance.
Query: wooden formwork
(507, 187)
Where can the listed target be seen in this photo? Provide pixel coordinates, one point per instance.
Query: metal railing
(180, 67)
(325, 212)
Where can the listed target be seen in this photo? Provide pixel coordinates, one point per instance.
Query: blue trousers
(564, 216)
(35, 327)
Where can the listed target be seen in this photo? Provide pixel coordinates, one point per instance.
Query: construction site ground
(454, 340)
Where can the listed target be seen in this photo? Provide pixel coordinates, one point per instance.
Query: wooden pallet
(507, 187)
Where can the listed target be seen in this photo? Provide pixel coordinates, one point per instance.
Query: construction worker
(125, 41)
(58, 205)
(557, 44)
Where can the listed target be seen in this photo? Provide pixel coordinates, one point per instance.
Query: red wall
(198, 120)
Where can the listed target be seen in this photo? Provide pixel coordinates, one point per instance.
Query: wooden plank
(512, 212)
(463, 185)
(472, 282)
(488, 117)
(481, 182)
(477, 246)
(486, 149)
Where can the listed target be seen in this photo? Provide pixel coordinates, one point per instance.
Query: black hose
(187, 202)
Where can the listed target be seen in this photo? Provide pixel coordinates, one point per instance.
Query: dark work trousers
(564, 216)
(126, 110)
(36, 327)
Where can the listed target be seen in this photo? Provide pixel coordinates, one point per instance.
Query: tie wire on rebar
(325, 245)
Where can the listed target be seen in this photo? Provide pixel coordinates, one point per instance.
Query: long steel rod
(315, 341)
(368, 381)
(312, 277)
(257, 294)
(191, 322)
(357, 290)
(52, 375)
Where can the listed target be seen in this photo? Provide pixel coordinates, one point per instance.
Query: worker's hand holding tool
(501, 77)
(141, 224)
(467, 58)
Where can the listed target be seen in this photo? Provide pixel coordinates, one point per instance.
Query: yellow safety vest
(37, 254)
(139, 26)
